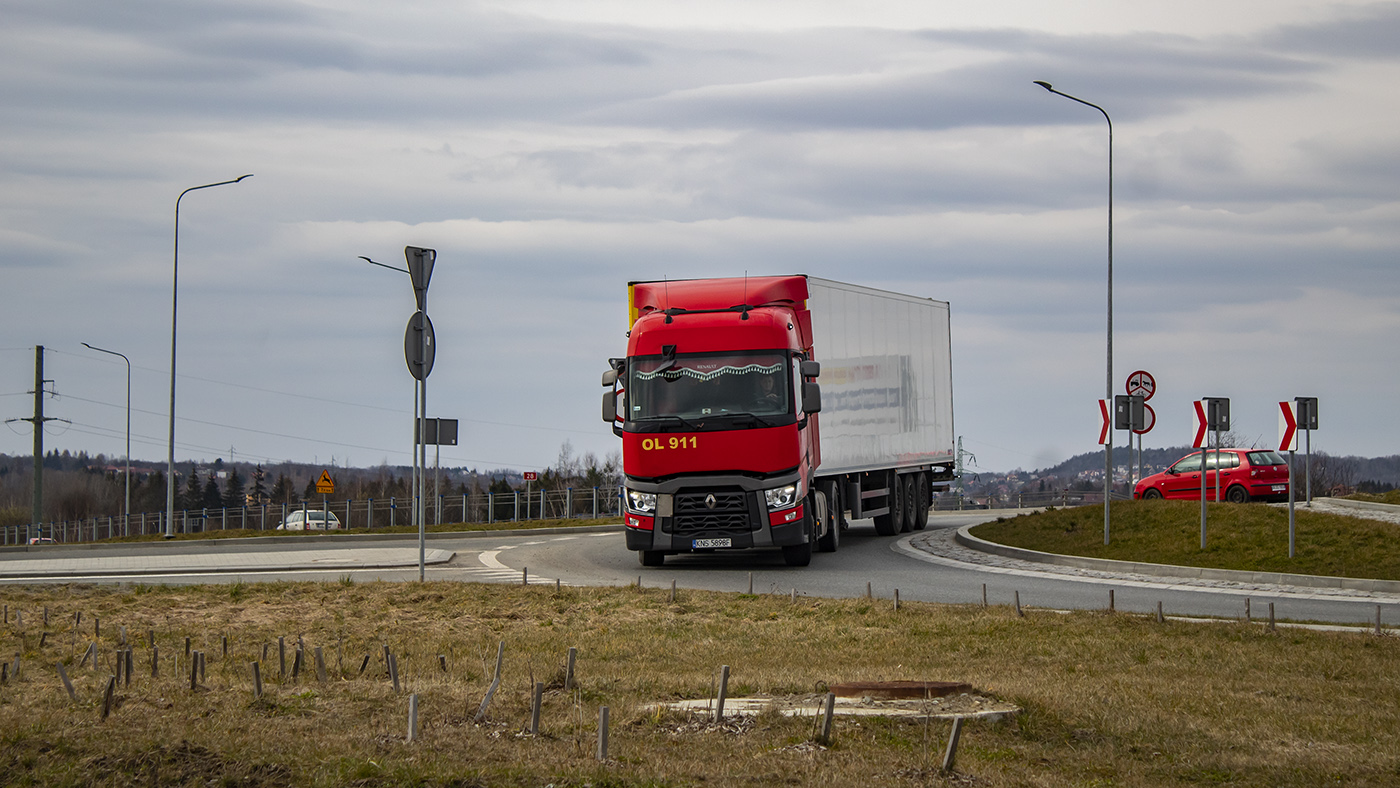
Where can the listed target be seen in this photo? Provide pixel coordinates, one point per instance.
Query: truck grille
(729, 516)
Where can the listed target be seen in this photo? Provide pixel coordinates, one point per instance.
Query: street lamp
(1108, 384)
(126, 522)
(174, 302)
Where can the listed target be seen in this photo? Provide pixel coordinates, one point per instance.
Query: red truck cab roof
(778, 317)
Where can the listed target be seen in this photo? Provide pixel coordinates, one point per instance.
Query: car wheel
(1152, 494)
(1237, 494)
(651, 557)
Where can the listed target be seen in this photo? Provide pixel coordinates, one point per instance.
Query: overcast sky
(551, 150)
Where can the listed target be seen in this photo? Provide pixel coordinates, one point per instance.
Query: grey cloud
(1367, 32)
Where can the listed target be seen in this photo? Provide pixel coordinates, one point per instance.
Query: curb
(1350, 504)
(432, 557)
(966, 539)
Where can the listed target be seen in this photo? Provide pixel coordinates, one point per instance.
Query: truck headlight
(641, 502)
(781, 497)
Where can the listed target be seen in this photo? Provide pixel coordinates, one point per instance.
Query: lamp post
(126, 520)
(1108, 383)
(174, 303)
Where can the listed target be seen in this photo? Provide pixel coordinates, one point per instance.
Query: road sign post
(1307, 422)
(1288, 441)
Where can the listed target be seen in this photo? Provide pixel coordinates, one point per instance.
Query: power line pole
(37, 514)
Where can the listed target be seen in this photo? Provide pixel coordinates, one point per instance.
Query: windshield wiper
(745, 414)
(683, 422)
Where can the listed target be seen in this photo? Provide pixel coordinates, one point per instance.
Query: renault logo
(710, 501)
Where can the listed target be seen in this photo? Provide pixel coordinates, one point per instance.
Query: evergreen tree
(211, 498)
(282, 491)
(193, 497)
(309, 494)
(259, 486)
(233, 490)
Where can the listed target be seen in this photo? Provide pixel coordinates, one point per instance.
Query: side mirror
(610, 377)
(609, 406)
(811, 395)
(811, 369)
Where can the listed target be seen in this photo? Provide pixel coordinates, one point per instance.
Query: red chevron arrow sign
(1287, 427)
(1105, 423)
(1198, 429)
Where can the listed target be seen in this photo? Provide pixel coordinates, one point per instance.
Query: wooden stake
(535, 703)
(673, 591)
(984, 595)
(868, 594)
(569, 668)
(442, 662)
(257, 680)
(951, 754)
(525, 576)
(282, 657)
(1272, 628)
(1110, 600)
(107, 696)
(394, 672)
(194, 674)
(794, 596)
(603, 733)
(413, 716)
(495, 683)
(1018, 604)
(896, 600)
(1247, 616)
(155, 662)
(364, 665)
(296, 664)
(1160, 617)
(320, 666)
(827, 714)
(750, 583)
(130, 660)
(1378, 619)
(68, 685)
(723, 692)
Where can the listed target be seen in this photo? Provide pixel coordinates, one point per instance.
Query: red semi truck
(729, 440)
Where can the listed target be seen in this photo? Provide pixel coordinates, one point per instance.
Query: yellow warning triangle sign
(325, 485)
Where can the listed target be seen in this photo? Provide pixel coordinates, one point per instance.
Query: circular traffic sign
(1142, 384)
(1149, 419)
(419, 346)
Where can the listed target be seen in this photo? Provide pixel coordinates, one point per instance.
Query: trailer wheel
(925, 502)
(908, 491)
(889, 524)
(827, 509)
(651, 557)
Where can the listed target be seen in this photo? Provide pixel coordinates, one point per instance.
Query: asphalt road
(599, 558)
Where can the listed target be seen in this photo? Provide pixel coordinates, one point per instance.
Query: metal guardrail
(1032, 500)
(369, 513)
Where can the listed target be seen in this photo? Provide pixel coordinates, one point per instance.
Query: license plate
(1280, 487)
(698, 543)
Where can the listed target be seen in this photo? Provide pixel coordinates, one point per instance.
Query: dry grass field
(1109, 699)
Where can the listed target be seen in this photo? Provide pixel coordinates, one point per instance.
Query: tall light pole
(174, 303)
(1108, 383)
(126, 520)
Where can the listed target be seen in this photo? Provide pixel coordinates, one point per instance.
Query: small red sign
(531, 476)
(1142, 384)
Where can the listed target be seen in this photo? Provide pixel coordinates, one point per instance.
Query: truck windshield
(708, 385)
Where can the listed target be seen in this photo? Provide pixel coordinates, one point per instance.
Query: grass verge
(1251, 537)
(1110, 700)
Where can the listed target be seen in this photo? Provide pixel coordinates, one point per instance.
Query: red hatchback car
(1245, 475)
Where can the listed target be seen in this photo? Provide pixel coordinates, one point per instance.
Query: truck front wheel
(828, 511)
(801, 554)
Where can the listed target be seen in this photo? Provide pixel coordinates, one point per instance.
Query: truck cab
(716, 404)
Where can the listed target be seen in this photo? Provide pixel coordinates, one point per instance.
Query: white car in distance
(309, 520)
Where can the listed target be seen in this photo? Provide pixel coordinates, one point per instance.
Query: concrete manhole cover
(899, 690)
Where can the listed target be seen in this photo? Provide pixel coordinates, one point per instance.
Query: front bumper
(712, 508)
